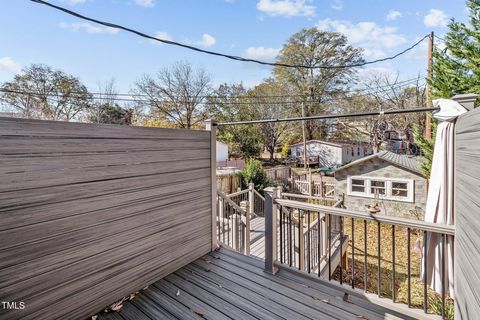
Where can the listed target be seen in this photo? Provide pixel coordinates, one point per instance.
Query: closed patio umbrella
(440, 200)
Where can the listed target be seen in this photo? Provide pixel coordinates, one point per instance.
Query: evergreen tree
(456, 69)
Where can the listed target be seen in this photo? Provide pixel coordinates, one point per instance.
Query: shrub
(286, 151)
(253, 172)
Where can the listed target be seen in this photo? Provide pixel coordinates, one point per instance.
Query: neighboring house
(399, 143)
(331, 153)
(392, 180)
(222, 151)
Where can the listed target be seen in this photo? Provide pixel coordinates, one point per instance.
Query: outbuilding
(393, 181)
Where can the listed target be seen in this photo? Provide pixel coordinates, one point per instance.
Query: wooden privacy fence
(91, 213)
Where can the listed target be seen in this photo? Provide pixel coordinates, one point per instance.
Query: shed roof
(408, 162)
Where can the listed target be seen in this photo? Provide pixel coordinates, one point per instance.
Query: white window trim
(388, 185)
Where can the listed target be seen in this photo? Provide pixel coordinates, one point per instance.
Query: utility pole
(428, 119)
(304, 139)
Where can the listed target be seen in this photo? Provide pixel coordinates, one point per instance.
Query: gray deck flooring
(257, 237)
(228, 285)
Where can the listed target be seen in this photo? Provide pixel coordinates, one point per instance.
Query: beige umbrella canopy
(440, 201)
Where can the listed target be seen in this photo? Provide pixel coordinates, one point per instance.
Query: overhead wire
(231, 57)
(214, 99)
(331, 116)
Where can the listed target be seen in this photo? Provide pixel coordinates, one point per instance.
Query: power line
(113, 96)
(232, 57)
(214, 101)
(323, 117)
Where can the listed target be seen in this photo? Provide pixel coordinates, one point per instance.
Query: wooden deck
(257, 237)
(228, 285)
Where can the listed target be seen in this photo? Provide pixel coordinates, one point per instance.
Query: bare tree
(267, 103)
(179, 93)
(384, 93)
(43, 93)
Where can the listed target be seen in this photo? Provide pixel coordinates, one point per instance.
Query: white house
(222, 151)
(331, 153)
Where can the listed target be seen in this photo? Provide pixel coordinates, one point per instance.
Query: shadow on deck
(228, 285)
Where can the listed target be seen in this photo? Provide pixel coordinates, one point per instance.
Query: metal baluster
(425, 293)
(228, 222)
(319, 225)
(379, 277)
(309, 246)
(290, 240)
(329, 247)
(281, 235)
(223, 220)
(219, 220)
(353, 254)
(443, 275)
(393, 264)
(300, 239)
(341, 250)
(409, 297)
(365, 255)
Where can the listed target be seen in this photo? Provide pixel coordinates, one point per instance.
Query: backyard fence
(91, 213)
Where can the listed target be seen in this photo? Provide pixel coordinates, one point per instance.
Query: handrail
(303, 196)
(238, 193)
(426, 226)
(230, 202)
(258, 194)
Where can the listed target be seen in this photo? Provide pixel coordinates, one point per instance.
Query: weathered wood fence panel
(467, 220)
(91, 213)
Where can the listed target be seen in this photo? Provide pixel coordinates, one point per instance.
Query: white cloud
(162, 36)
(287, 8)
(74, 1)
(206, 41)
(145, 3)
(367, 34)
(88, 27)
(393, 15)
(435, 18)
(337, 5)
(9, 66)
(261, 53)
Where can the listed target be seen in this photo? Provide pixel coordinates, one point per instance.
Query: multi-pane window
(358, 185)
(377, 187)
(400, 189)
(382, 188)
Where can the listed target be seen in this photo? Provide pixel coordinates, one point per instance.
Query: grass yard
(401, 254)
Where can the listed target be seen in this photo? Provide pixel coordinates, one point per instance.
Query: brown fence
(239, 164)
(92, 213)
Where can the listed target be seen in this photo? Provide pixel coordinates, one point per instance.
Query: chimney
(467, 100)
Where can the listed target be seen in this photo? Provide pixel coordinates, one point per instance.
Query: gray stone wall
(383, 169)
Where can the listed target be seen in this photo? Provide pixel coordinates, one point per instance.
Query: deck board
(228, 285)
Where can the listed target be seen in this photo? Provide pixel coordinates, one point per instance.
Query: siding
(91, 213)
(467, 219)
(383, 169)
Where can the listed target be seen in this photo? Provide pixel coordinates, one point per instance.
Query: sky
(33, 33)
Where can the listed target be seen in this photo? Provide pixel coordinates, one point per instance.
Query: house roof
(408, 162)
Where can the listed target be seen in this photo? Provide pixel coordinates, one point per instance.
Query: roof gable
(407, 162)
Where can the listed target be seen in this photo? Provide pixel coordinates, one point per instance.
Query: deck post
(311, 185)
(245, 205)
(270, 230)
(211, 125)
(251, 198)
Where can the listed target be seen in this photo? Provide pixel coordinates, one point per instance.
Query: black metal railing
(342, 234)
